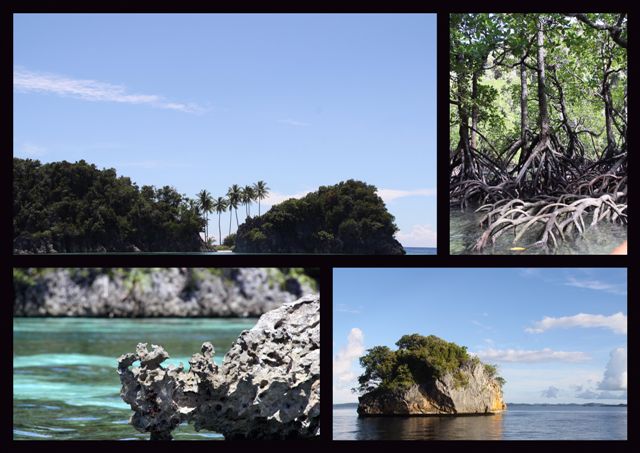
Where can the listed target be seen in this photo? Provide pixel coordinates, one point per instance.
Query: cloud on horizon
(393, 194)
(418, 236)
(615, 373)
(616, 322)
(26, 81)
(550, 392)
(531, 356)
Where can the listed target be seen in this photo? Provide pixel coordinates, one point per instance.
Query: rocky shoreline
(156, 292)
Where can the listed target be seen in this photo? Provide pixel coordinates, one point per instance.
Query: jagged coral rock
(267, 387)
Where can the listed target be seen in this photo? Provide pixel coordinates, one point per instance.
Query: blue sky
(557, 335)
(206, 101)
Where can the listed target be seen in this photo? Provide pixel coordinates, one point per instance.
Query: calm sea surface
(464, 232)
(65, 384)
(409, 250)
(520, 422)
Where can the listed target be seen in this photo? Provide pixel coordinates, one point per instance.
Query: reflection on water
(519, 422)
(480, 427)
(464, 232)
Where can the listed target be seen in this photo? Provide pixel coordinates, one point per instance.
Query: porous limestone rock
(267, 387)
(481, 394)
(172, 292)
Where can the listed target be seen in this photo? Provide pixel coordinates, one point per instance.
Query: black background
(324, 262)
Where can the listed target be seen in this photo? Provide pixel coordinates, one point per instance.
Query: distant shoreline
(509, 405)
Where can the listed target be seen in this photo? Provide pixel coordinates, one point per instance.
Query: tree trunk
(542, 92)
(463, 114)
(524, 112)
(475, 111)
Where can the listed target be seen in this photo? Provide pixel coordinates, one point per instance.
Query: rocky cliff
(469, 390)
(267, 387)
(155, 292)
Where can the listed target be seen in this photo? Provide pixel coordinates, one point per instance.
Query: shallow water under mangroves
(65, 384)
(464, 231)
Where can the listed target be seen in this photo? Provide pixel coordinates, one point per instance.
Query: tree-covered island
(76, 207)
(427, 375)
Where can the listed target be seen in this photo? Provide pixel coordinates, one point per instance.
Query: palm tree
(261, 190)
(249, 196)
(205, 204)
(220, 206)
(234, 194)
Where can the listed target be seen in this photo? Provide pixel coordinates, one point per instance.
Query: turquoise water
(519, 422)
(65, 384)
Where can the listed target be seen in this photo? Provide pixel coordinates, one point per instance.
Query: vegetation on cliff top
(417, 360)
(76, 207)
(348, 217)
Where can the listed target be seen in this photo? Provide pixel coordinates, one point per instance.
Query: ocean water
(464, 232)
(409, 250)
(519, 422)
(65, 384)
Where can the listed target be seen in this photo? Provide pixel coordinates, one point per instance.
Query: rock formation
(427, 375)
(179, 292)
(479, 394)
(267, 387)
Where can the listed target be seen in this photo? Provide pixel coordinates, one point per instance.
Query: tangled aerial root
(559, 216)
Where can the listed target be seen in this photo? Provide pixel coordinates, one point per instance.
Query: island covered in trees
(538, 124)
(427, 375)
(64, 207)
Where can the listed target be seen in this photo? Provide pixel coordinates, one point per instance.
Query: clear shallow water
(65, 384)
(517, 423)
(464, 233)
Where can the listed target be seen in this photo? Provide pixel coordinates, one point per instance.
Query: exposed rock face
(481, 395)
(161, 292)
(267, 387)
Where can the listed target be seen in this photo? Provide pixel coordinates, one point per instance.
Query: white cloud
(530, 356)
(551, 392)
(277, 197)
(615, 374)
(91, 90)
(295, 123)
(32, 150)
(388, 195)
(347, 355)
(595, 285)
(616, 322)
(418, 236)
(343, 308)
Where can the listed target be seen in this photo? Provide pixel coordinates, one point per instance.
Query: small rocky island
(427, 376)
(267, 387)
(346, 218)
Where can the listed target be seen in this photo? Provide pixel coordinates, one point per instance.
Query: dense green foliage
(348, 217)
(538, 121)
(75, 207)
(418, 359)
